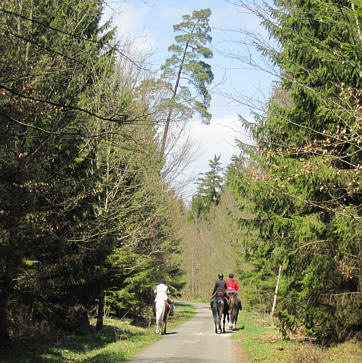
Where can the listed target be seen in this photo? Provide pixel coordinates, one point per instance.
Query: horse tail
(240, 306)
(235, 299)
(219, 302)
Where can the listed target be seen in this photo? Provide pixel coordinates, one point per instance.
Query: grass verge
(117, 342)
(263, 343)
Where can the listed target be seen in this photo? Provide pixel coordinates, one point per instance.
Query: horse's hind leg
(217, 326)
(164, 327)
(214, 315)
(159, 325)
(223, 326)
(165, 317)
(236, 318)
(230, 321)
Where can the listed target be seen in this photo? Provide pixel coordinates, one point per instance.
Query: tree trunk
(4, 333)
(101, 310)
(168, 120)
(28, 43)
(4, 299)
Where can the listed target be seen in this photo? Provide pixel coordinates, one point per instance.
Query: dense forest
(89, 220)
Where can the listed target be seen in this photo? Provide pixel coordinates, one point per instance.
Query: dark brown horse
(220, 310)
(235, 306)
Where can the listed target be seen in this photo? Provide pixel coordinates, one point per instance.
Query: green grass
(263, 343)
(118, 341)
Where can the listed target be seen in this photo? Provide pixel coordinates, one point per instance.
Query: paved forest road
(194, 341)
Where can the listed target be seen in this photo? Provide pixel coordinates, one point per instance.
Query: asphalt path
(193, 341)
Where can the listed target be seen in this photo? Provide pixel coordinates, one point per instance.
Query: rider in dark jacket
(220, 285)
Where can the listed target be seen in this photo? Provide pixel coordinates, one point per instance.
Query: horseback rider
(234, 302)
(162, 292)
(219, 304)
(220, 286)
(232, 286)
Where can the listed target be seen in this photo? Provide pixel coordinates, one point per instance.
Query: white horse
(162, 310)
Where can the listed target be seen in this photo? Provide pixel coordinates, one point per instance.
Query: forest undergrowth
(263, 342)
(119, 340)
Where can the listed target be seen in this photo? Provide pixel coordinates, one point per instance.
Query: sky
(149, 23)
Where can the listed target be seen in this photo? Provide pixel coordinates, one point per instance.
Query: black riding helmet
(221, 276)
(231, 275)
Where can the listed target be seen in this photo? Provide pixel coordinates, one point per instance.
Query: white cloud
(130, 21)
(218, 138)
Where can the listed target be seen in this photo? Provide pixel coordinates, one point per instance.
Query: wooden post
(276, 291)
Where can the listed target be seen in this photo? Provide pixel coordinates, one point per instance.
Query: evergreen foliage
(84, 214)
(302, 183)
(208, 191)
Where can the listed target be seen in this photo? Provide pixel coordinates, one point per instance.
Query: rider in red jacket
(232, 285)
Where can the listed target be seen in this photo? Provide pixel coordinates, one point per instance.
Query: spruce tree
(303, 186)
(208, 191)
(51, 54)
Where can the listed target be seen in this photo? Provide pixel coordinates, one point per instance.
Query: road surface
(194, 341)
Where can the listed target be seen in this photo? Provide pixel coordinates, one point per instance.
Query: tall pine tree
(186, 64)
